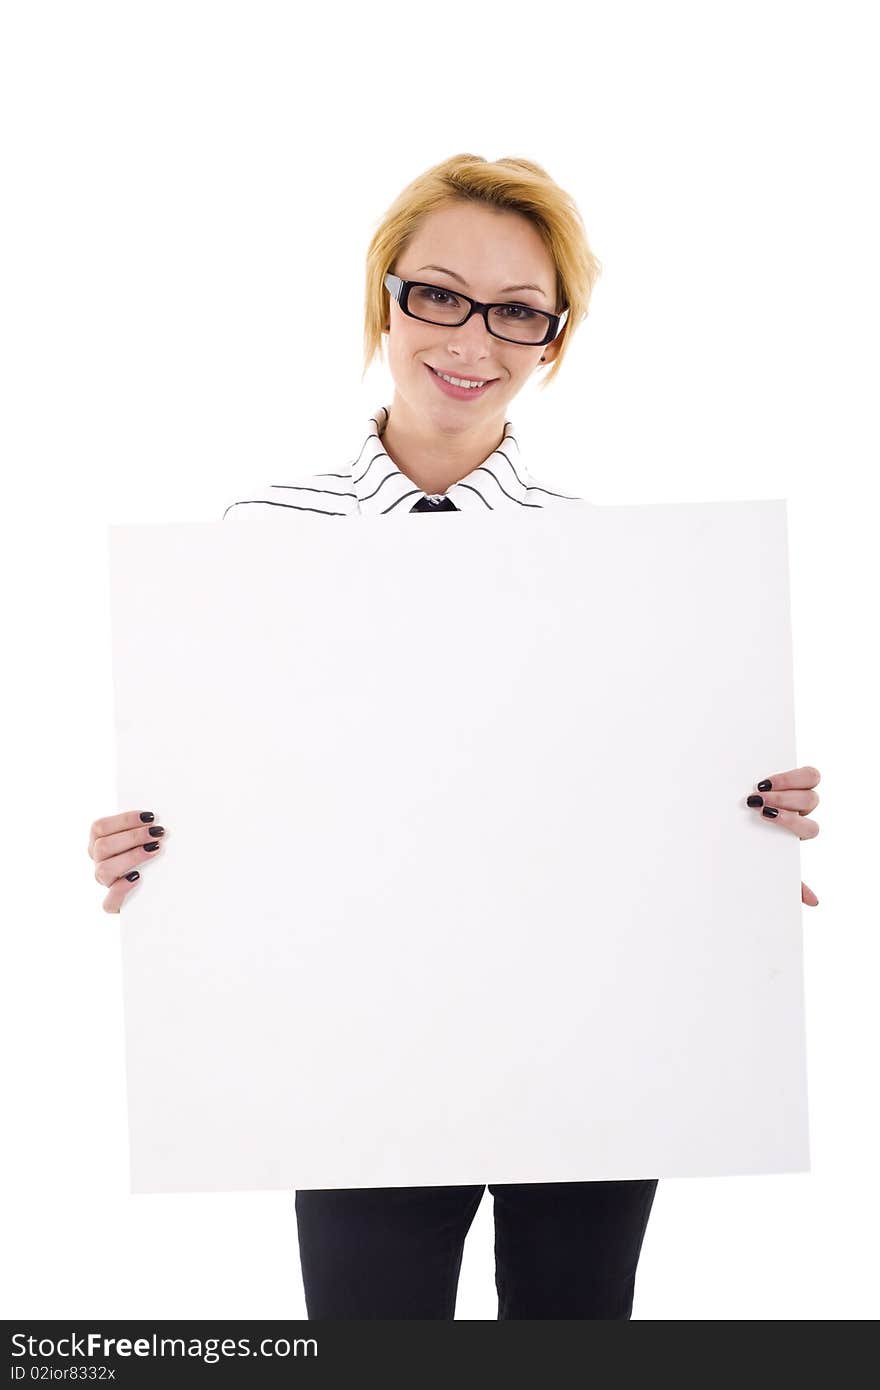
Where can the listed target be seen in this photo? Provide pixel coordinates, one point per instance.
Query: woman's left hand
(785, 798)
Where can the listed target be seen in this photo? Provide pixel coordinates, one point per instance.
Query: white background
(189, 190)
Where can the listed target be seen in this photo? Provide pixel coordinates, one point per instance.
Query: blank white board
(459, 883)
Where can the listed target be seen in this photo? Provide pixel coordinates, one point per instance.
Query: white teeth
(459, 381)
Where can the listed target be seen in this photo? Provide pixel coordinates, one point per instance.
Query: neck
(431, 457)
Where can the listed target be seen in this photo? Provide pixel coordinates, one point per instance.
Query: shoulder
(327, 494)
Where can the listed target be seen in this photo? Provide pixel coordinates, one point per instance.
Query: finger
(108, 870)
(802, 826)
(109, 845)
(126, 820)
(808, 896)
(120, 890)
(788, 801)
(791, 780)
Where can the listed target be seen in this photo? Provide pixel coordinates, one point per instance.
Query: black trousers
(562, 1250)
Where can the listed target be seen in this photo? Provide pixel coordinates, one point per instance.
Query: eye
(432, 294)
(521, 310)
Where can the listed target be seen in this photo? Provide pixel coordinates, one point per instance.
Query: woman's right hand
(118, 845)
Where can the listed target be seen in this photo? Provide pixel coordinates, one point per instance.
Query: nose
(472, 339)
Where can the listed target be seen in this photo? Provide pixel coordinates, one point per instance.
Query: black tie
(426, 504)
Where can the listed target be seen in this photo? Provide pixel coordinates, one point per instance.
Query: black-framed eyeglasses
(515, 323)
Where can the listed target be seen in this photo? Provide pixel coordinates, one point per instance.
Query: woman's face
(488, 249)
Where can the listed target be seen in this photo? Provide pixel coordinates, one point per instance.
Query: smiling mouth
(484, 381)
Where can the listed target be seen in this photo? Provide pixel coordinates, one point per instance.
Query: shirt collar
(382, 489)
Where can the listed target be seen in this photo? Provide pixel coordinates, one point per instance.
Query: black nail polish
(147, 816)
(132, 876)
(154, 844)
(752, 801)
(157, 830)
(765, 786)
(769, 811)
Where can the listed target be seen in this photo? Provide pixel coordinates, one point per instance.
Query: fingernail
(766, 785)
(132, 876)
(154, 844)
(769, 811)
(755, 801)
(147, 816)
(157, 830)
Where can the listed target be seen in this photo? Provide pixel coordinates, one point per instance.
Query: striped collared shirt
(373, 485)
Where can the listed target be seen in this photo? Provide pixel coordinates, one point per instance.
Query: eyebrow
(508, 289)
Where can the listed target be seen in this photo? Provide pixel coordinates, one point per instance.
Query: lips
(462, 376)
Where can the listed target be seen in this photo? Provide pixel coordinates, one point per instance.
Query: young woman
(478, 274)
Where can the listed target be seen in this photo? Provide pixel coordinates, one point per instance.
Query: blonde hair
(516, 185)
